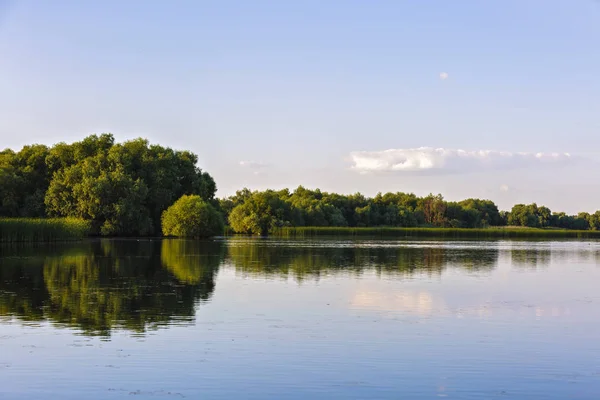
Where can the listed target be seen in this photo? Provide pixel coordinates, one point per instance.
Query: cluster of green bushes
(264, 212)
(13, 230)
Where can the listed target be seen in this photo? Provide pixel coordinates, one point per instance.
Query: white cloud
(504, 188)
(255, 166)
(440, 159)
(444, 76)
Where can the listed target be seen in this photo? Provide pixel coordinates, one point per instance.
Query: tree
(364, 215)
(594, 221)
(406, 217)
(24, 179)
(190, 216)
(261, 213)
(434, 208)
(105, 195)
(488, 211)
(543, 214)
(122, 188)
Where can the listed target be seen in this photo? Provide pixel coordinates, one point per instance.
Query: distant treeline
(263, 212)
(121, 188)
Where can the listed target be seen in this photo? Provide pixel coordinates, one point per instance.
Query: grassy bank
(437, 232)
(19, 230)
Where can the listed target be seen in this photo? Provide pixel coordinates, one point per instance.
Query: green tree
(434, 210)
(104, 194)
(123, 188)
(594, 221)
(190, 216)
(524, 215)
(24, 179)
(261, 213)
(488, 211)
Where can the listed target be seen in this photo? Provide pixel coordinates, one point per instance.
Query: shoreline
(483, 233)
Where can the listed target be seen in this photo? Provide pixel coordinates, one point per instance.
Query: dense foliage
(190, 216)
(122, 188)
(263, 212)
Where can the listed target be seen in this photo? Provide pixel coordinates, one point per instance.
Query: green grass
(20, 230)
(483, 233)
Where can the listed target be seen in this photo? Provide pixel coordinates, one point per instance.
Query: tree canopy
(122, 188)
(190, 216)
(261, 212)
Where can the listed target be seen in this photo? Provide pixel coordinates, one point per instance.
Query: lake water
(300, 319)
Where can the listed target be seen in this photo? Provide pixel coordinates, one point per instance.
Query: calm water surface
(311, 319)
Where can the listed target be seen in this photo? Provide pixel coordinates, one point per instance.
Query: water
(273, 319)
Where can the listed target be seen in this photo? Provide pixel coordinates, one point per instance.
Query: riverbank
(23, 230)
(39, 230)
(496, 232)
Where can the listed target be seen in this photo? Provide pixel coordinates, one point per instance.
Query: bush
(190, 216)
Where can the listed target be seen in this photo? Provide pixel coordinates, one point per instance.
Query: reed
(437, 232)
(20, 230)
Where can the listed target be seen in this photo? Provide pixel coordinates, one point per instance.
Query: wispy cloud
(255, 166)
(444, 76)
(440, 159)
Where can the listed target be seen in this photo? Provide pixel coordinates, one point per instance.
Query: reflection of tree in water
(530, 258)
(99, 286)
(482, 259)
(110, 284)
(193, 262)
(22, 288)
(259, 257)
(262, 258)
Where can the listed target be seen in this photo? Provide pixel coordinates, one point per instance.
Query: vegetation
(285, 212)
(15, 230)
(482, 233)
(121, 188)
(190, 216)
(125, 189)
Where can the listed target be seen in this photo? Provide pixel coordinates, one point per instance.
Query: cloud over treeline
(441, 159)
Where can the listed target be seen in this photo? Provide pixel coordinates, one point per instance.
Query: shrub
(190, 216)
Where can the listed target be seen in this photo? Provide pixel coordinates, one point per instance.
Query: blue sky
(312, 92)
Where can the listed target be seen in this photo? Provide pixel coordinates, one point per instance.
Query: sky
(497, 100)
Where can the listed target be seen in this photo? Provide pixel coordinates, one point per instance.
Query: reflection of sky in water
(476, 320)
(420, 303)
